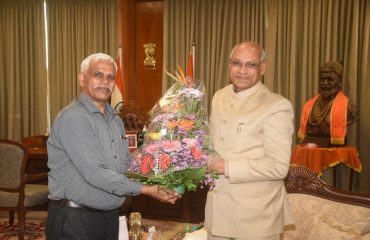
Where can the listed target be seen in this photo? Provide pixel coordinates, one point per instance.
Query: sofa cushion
(304, 208)
(322, 230)
(346, 217)
(366, 236)
(317, 218)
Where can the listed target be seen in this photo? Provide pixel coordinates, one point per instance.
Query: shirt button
(115, 157)
(112, 140)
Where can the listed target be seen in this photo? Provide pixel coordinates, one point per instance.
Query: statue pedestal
(319, 159)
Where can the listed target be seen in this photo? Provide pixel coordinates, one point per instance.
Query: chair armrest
(36, 177)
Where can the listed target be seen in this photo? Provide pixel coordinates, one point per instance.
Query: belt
(71, 204)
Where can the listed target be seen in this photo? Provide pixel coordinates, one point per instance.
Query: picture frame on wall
(132, 138)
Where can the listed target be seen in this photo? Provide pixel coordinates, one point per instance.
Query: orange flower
(196, 152)
(186, 124)
(147, 164)
(164, 161)
(166, 108)
(172, 107)
(176, 106)
(171, 124)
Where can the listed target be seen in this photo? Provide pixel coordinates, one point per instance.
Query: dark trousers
(66, 223)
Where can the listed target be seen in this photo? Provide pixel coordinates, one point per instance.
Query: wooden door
(141, 24)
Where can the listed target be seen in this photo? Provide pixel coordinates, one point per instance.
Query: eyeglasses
(249, 65)
(100, 76)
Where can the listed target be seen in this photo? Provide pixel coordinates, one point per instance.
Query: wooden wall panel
(149, 19)
(141, 23)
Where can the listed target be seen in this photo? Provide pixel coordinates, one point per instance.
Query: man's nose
(104, 80)
(243, 68)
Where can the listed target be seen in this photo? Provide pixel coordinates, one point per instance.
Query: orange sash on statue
(338, 118)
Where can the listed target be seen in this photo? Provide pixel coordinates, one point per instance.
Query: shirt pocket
(248, 134)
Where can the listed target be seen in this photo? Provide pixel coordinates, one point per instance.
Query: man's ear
(81, 79)
(263, 67)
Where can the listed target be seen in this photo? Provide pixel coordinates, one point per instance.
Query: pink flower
(151, 148)
(190, 141)
(170, 146)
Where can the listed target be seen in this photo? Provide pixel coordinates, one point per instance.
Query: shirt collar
(90, 106)
(247, 92)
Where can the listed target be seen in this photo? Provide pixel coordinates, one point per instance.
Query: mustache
(103, 87)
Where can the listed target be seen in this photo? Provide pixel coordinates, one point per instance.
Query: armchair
(16, 192)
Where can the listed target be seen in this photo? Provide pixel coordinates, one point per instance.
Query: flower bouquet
(176, 144)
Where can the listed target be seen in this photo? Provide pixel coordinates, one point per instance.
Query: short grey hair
(262, 51)
(85, 64)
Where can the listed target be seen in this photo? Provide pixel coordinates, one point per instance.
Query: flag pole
(193, 55)
(117, 95)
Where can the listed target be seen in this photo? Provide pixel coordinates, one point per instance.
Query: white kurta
(252, 130)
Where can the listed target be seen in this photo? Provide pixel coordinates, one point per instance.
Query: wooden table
(320, 159)
(37, 160)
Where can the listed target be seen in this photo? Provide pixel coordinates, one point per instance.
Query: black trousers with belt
(68, 223)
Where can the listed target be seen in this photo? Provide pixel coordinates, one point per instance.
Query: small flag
(190, 71)
(117, 95)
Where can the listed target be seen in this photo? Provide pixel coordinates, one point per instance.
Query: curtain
(215, 27)
(298, 36)
(76, 29)
(362, 73)
(22, 69)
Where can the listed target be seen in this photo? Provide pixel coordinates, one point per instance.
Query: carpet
(33, 231)
(35, 227)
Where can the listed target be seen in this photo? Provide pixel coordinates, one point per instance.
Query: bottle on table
(134, 232)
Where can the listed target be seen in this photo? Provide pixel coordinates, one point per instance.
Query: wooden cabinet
(37, 154)
(190, 208)
(37, 160)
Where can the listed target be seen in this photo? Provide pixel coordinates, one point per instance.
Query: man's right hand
(160, 194)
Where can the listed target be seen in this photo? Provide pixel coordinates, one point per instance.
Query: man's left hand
(216, 165)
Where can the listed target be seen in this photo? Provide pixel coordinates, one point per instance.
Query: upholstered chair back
(16, 191)
(134, 117)
(12, 160)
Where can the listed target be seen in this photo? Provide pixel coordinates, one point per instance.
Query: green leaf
(191, 178)
(137, 176)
